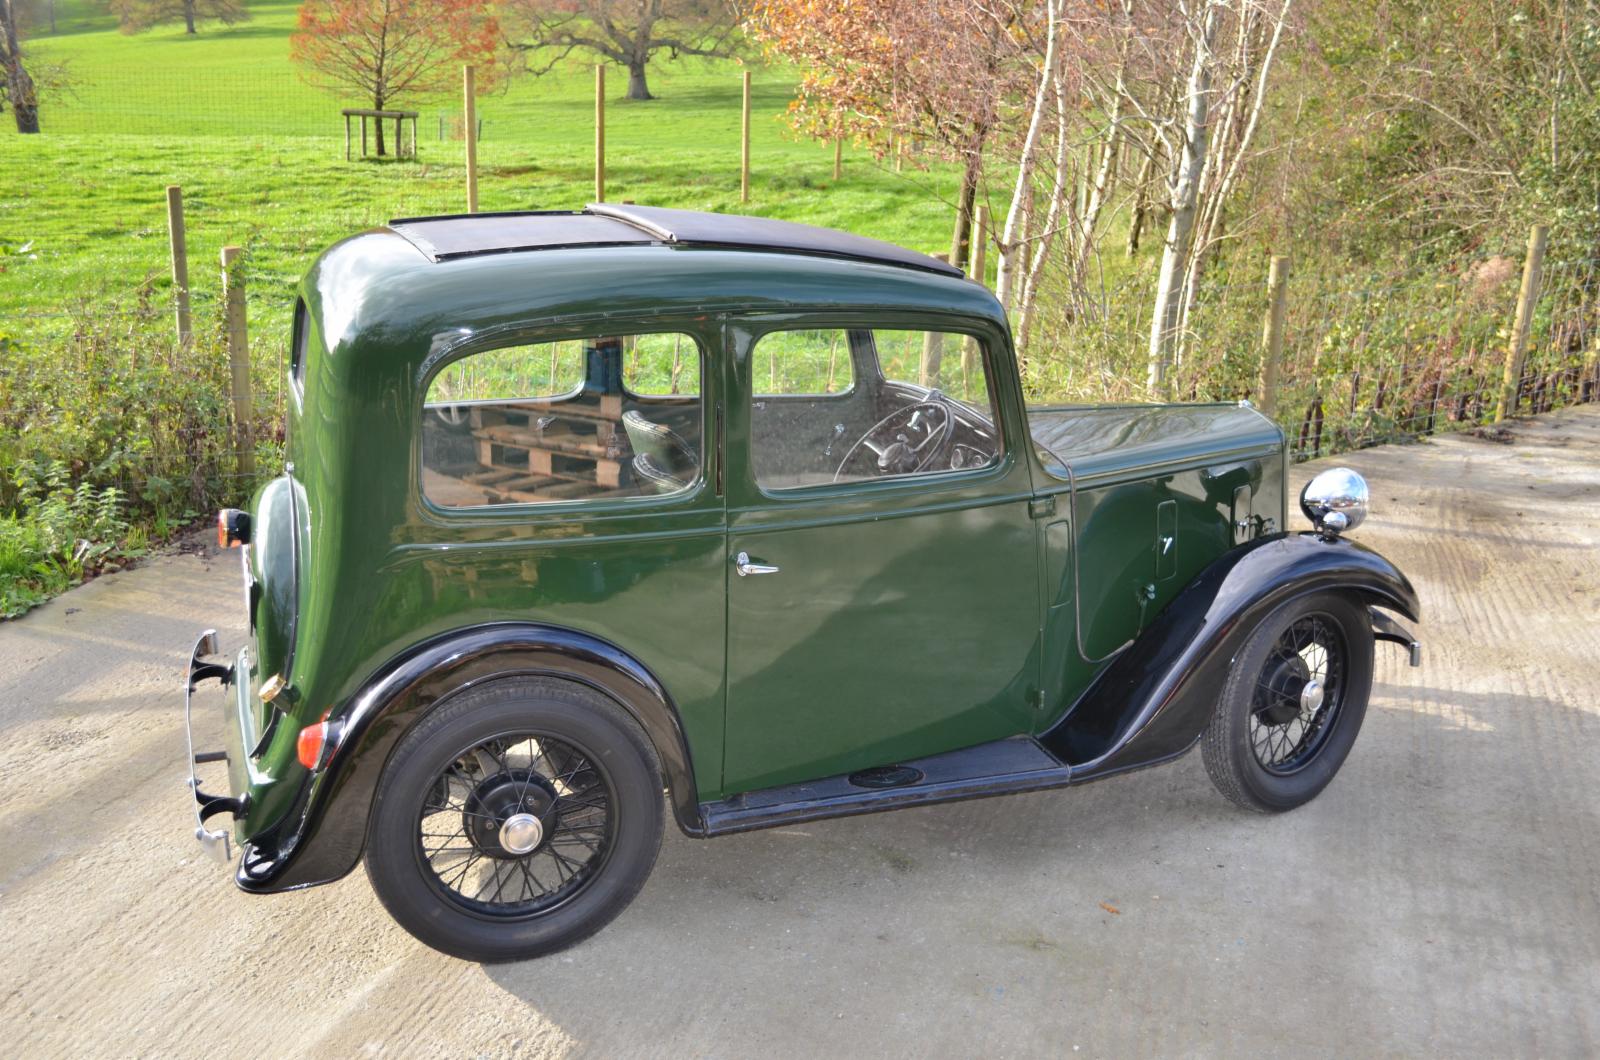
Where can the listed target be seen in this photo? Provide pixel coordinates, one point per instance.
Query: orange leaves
(389, 50)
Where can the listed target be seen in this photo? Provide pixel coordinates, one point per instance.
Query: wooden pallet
(575, 441)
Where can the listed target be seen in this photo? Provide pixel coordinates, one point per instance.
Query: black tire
(1257, 753)
(447, 766)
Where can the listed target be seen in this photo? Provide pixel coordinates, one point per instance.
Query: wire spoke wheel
(516, 825)
(1298, 693)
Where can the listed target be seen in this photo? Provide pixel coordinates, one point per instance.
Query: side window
(929, 411)
(576, 420)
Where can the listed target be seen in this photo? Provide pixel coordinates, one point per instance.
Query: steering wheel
(897, 453)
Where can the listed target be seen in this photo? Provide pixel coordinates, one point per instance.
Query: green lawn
(260, 158)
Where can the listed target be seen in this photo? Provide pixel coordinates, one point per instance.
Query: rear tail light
(233, 528)
(317, 743)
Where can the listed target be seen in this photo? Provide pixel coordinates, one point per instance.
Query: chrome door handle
(742, 564)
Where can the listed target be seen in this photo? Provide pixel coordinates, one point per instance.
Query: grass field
(260, 158)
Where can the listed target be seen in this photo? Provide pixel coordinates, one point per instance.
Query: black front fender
(1153, 701)
(323, 838)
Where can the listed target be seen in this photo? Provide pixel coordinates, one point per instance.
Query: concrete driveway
(1441, 897)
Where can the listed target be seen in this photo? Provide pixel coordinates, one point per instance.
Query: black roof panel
(607, 224)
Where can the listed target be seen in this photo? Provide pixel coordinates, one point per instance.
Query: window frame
(703, 332)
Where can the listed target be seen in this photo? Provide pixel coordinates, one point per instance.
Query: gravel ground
(1441, 897)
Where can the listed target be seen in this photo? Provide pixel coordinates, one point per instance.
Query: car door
(878, 610)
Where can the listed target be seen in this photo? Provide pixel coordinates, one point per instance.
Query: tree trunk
(377, 124)
(1014, 229)
(19, 86)
(638, 87)
(961, 238)
(1188, 166)
(188, 16)
(1100, 183)
(26, 114)
(1060, 194)
(1141, 202)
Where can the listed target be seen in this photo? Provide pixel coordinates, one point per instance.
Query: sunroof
(606, 224)
(442, 238)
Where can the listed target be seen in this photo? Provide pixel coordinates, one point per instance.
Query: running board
(1004, 767)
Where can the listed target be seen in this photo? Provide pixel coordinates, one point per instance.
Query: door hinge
(1042, 507)
(1036, 698)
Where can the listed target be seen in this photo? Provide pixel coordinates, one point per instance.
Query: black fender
(1153, 701)
(323, 837)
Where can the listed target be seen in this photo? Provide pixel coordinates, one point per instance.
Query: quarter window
(601, 417)
(925, 408)
(804, 362)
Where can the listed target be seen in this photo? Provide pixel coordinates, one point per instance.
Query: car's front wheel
(1292, 704)
(516, 819)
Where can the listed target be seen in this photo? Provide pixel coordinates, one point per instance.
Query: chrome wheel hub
(520, 833)
(1311, 697)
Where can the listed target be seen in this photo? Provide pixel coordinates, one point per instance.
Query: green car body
(1075, 592)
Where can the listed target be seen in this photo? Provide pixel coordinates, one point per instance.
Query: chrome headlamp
(1335, 501)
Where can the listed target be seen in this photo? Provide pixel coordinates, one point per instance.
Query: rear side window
(605, 416)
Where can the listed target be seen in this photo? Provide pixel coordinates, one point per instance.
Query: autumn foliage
(390, 51)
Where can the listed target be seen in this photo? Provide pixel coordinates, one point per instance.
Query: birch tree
(1183, 192)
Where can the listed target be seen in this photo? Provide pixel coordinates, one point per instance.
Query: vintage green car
(581, 506)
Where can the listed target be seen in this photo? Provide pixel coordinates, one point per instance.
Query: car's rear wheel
(1292, 705)
(515, 820)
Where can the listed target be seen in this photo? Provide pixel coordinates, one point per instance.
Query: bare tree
(134, 16)
(627, 32)
(18, 90)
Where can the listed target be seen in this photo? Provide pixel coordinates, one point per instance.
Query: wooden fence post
(1527, 298)
(838, 157)
(180, 264)
(744, 144)
(600, 132)
(469, 130)
(1272, 334)
(238, 357)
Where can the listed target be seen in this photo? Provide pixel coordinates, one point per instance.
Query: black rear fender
(324, 839)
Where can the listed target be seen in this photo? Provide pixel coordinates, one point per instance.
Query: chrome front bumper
(214, 844)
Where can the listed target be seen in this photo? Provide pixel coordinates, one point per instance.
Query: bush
(111, 437)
